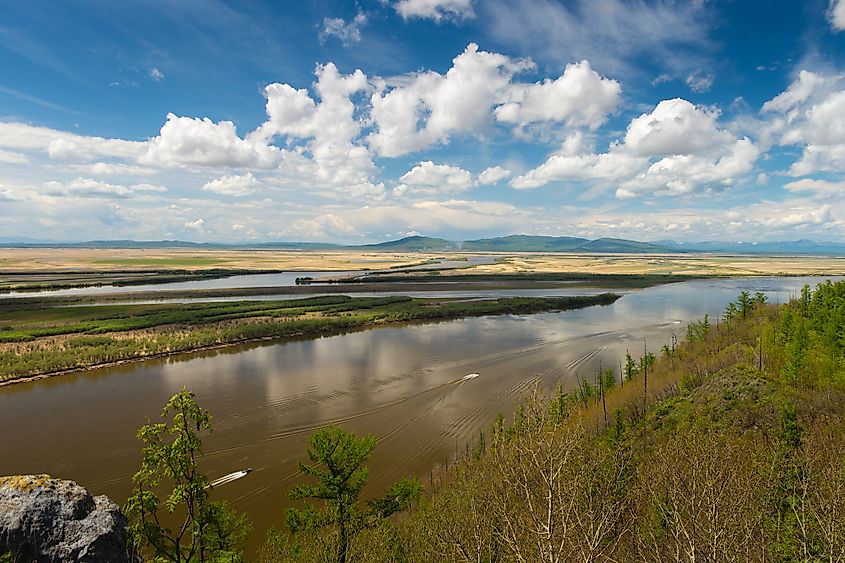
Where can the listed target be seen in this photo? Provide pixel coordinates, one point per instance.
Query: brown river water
(403, 384)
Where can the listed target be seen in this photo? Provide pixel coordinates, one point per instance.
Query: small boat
(230, 477)
(470, 376)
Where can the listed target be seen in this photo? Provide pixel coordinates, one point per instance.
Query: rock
(53, 520)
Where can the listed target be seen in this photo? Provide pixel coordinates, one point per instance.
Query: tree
(210, 531)
(480, 447)
(608, 379)
(647, 361)
(805, 301)
(630, 369)
(339, 465)
(745, 303)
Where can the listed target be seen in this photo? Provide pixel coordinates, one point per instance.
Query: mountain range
(511, 243)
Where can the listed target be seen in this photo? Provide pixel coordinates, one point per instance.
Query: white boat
(470, 376)
(230, 477)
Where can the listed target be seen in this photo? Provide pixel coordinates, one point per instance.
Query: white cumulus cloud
(193, 141)
(437, 10)
(836, 14)
(329, 127)
(612, 166)
(196, 224)
(493, 175)
(579, 97)
(233, 185)
(700, 81)
(810, 113)
(677, 148)
(675, 127)
(346, 31)
(461, 101)
(686, 173)
(428, 177)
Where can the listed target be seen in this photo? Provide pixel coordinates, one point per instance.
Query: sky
(355, 122)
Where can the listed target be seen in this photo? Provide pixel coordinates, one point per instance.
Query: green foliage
(586, 391)
(744, 304)
(647, 361)
(480, 446)
(608, 379)
(698, 330)
(210, 531)
(630, 370)
(338, 463)
(731, 311)
(808, 341)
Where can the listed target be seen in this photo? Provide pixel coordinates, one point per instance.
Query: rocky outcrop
(53, 520)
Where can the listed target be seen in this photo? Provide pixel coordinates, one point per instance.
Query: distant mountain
(520, 243)
(517, 243)
(510, 243)
(617, 245)
(295, 245)
(414, 244)
(790, 247)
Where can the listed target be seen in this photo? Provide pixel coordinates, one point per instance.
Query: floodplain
(386, 351)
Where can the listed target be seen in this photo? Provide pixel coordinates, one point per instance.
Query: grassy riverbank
(36, 340)
(424, 277)
(34, 282)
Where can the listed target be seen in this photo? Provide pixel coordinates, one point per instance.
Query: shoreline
(538, 306)
(156, 356)
(484, 282)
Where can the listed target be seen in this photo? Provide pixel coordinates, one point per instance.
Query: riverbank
(374, 284)
(34, 282)
(40, 341)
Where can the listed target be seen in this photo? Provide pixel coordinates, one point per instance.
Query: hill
(413, 244)
(727, 448)
(518, 243)
(510, 243)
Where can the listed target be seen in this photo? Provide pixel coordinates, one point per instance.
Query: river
(402, 383)
(278, 279)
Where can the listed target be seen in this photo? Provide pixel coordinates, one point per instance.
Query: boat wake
(230, 477)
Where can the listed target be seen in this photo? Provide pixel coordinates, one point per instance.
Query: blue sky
(371, 120)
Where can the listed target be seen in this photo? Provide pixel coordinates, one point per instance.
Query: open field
(120, 259)
(52, 260)
(674, 264)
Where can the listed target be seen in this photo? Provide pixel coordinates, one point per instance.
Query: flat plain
(51, 260)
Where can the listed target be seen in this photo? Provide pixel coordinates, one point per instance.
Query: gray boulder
(53, 520)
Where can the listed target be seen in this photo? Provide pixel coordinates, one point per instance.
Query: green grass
(595, 280)
(174, 261)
